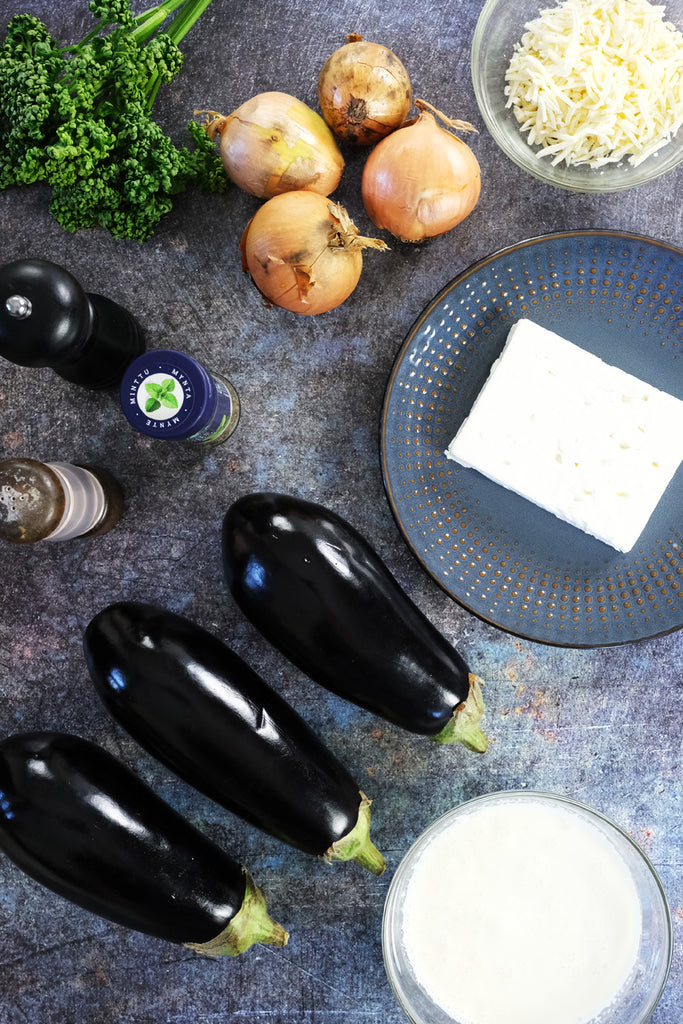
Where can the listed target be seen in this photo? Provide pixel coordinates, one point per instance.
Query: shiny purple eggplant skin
(317, 590)
(203, 712)
(78, 821)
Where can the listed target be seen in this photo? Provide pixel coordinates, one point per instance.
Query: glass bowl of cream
(524, 907)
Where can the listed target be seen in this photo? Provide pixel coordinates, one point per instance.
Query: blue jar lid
(167, 395)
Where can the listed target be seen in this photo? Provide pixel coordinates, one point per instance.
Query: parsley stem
(190, 12)
(185, 19)
(149, 21)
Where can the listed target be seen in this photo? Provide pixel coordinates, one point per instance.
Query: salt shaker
(171, 396)
(55, 501)
(47, 319)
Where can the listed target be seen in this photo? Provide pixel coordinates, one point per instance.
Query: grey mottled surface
(602, 726)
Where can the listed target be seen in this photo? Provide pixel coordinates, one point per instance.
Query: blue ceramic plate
(513, 564)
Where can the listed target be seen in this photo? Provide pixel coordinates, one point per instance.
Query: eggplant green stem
(464, 725)
(251, 924)
(357, 845)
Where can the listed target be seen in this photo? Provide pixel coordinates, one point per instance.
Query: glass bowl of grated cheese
(583, 95)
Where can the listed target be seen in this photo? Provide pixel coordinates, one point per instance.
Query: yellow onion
(303, 252)
(364, 91)
(275, 143)
(421, 180)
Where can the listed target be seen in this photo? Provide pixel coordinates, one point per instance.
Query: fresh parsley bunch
(79, 118)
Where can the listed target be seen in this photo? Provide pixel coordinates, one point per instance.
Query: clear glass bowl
(500, 26)
(643, 987)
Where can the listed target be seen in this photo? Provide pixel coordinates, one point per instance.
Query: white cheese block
(584, 440)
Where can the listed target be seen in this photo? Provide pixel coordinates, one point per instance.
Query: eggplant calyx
(356, 844)
(464, 725)
(251, 924)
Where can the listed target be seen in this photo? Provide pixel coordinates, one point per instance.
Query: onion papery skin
(303, 252)
(364, 92)
(420, 181)
(275, 143)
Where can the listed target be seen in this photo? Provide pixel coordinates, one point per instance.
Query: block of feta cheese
(584, 440)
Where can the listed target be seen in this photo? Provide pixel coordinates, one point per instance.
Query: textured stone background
(602, 726)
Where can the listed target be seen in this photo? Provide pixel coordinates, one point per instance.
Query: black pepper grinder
(47, 319)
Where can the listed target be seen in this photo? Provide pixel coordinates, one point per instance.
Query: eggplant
(203, 712)
(80, 822)
(317, 590)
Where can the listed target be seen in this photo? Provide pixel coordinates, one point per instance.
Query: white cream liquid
(521, 913)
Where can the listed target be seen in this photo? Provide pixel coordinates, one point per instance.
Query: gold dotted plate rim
(514, 565)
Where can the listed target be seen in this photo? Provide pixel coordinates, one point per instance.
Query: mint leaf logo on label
(160, 394)
(163, 396)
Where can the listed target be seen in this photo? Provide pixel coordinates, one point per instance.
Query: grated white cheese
(597, 81)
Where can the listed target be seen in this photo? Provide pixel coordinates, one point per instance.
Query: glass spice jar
(171, 396)
(55, 501)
